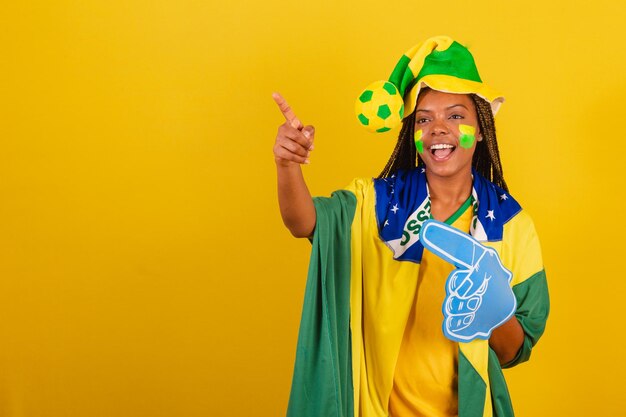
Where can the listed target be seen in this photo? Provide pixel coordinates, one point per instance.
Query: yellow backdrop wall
(144, 269)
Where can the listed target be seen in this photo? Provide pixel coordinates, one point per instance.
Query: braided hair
(486, 159)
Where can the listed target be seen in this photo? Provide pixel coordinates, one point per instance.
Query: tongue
(442, 153)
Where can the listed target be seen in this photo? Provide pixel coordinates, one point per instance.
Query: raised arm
(293, 145)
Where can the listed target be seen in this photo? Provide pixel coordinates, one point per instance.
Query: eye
(456, 116)
(421, 120)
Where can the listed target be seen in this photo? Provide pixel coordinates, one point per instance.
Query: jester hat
(439, 63)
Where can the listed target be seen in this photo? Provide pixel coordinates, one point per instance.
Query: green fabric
(322, 379)
(532, 296)
(500, 398)
(400, 72)
(472, 389)
(533, 307)
(456, 61)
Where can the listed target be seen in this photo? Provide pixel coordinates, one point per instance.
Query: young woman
(390, 326)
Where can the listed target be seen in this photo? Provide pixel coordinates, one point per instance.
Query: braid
(486, 158)
(403, 155)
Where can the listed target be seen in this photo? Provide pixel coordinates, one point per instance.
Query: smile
(441, 150)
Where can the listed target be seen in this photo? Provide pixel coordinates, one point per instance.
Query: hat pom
(380, 107)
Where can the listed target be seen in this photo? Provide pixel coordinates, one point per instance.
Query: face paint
(467, 137)
(419, 143)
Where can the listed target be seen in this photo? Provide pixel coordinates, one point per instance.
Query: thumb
(309, 133)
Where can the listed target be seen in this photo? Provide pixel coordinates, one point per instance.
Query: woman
(389, 328)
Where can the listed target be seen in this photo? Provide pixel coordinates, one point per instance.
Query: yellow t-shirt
(425, 379)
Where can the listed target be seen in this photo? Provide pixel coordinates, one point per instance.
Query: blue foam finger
(456, 324)
(460, 306)
(479, 297)
(450, 244)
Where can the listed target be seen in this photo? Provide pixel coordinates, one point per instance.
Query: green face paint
(467, 138)
(419, 143)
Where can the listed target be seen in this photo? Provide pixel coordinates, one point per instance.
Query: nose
(439, 127)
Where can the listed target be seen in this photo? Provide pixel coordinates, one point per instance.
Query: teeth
(441, 146)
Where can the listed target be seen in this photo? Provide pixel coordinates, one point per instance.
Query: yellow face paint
(467, 138)
(419, 143)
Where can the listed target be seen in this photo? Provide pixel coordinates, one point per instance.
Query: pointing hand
(294, 141)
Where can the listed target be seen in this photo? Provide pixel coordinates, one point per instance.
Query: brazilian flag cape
(361, 282)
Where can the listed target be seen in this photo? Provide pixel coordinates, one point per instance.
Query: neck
(450, 190)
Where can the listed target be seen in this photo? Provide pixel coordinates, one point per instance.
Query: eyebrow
(447, 108)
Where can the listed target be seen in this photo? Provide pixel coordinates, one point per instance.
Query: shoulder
(521, 249)
(346, 198)
(522, 220)
(497, 199)
(495, 209)
(520, 230)
(359, 186)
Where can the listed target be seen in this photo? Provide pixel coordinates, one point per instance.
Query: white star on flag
(504, 197)
(386, 223)
(395, 208)
(490, 215)
(423, 170)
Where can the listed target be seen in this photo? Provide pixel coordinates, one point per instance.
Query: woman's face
(442, 119)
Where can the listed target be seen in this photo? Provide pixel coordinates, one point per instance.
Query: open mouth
(442, 150)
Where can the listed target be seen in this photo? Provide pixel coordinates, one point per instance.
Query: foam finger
(450, 244)
(461, 306)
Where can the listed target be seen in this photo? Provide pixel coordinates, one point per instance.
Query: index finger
(285, 109)
(450, 244)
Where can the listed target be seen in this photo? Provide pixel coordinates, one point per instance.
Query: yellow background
(144, 269)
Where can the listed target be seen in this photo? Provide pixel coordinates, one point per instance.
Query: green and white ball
(380, 107)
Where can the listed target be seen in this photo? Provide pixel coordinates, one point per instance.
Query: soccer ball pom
(380, 107)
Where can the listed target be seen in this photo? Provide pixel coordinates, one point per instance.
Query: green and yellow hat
(439, 63)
